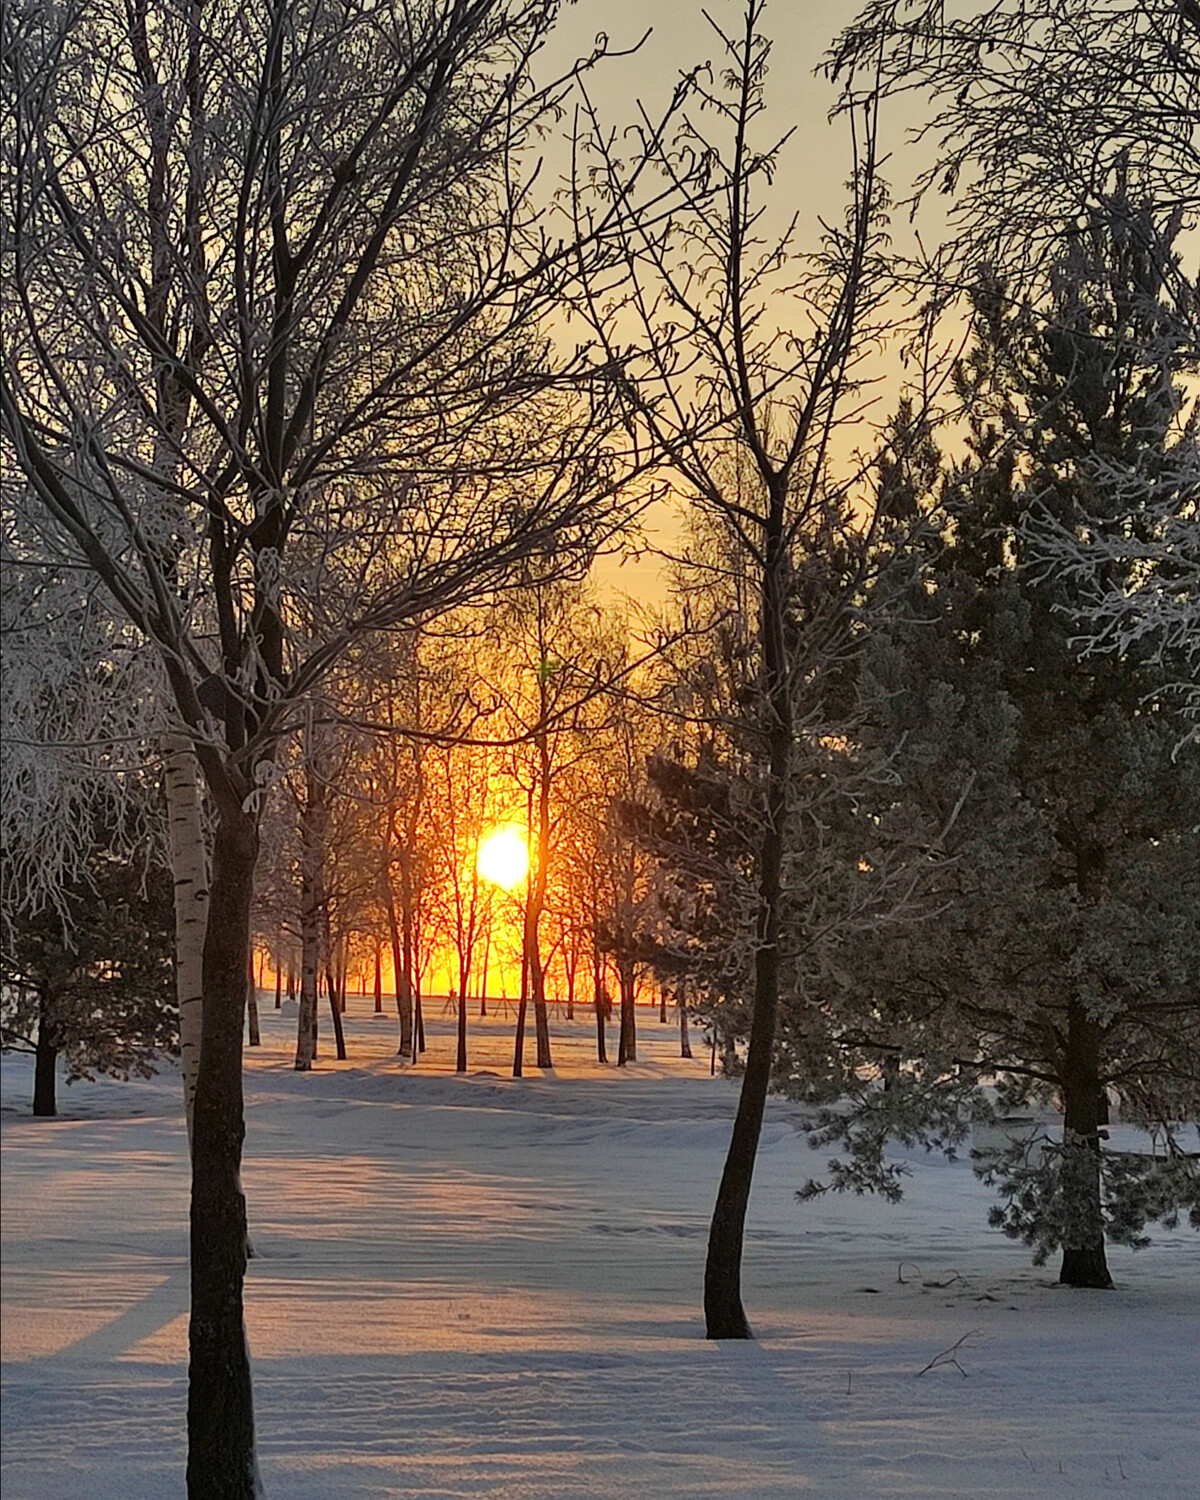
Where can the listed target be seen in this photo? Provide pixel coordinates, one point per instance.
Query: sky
(812, 169)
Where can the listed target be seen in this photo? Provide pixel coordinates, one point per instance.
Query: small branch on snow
(950, 1356)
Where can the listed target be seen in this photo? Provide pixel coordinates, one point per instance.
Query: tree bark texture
(220, 1405)
(1084, 1263)
(189, 870)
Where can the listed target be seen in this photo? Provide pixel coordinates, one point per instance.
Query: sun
(503, 857)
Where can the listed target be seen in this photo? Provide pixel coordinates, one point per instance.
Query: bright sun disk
(503, 857)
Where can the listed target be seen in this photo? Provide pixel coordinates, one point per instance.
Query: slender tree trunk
(662, 1007)
(460, 1061)
(278, 985)
(522, 1005)
(685, 1044)
(483, 982)
(220, 1404)
(419, 1015)
(45, 1059)
(404, 1008)
(313, 823)
(291, 983)
(598, 1000)
(1084, 1263)
(378, 977)
(627, 1045)
(252, 1004)
(335, 1007)
(189, 870)
(724, 1315)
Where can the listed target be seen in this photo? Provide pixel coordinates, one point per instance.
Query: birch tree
(275, 282)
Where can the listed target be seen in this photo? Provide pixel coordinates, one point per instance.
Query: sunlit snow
(480, 1287)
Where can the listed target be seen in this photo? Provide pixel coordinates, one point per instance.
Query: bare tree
(743, 409)
(275, 283)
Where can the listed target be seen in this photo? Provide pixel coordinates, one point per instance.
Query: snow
(480, 1286)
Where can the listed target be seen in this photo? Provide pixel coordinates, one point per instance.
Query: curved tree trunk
(45, 1101)
(1084, 1263)
(724, 1315)
(220, 1405)
(189, 870)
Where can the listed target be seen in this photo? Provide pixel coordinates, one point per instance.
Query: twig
(950, 1356)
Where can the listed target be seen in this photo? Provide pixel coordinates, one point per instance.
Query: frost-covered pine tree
(1061, 955)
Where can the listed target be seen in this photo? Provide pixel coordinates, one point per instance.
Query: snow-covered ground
(480, 1287)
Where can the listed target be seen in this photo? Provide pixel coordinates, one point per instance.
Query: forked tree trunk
(335, 1008)
(220, 1405)
(45, 1100)
(1084, 1263)
(724, 1315)
(189, 871)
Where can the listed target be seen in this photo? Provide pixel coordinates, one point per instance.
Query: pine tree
(92, 979)
(1062, 954)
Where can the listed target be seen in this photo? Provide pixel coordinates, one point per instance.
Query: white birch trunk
(189, 867)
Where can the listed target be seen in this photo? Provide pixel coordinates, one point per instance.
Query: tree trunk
(519, 1044)
(278, 985)
(335, 1009)
(252, 1005)
(724, 1315)
(313, 823)
(460, 1060)
(220, 1462)
(45, 1058)
(1083, 1263)
(627, 1046)
(419, 1018)
(534, 904)
(189, 871)
(404, 1007)
(662, 1007)
(378, 977)
(599, 1001)
(685, 1044)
